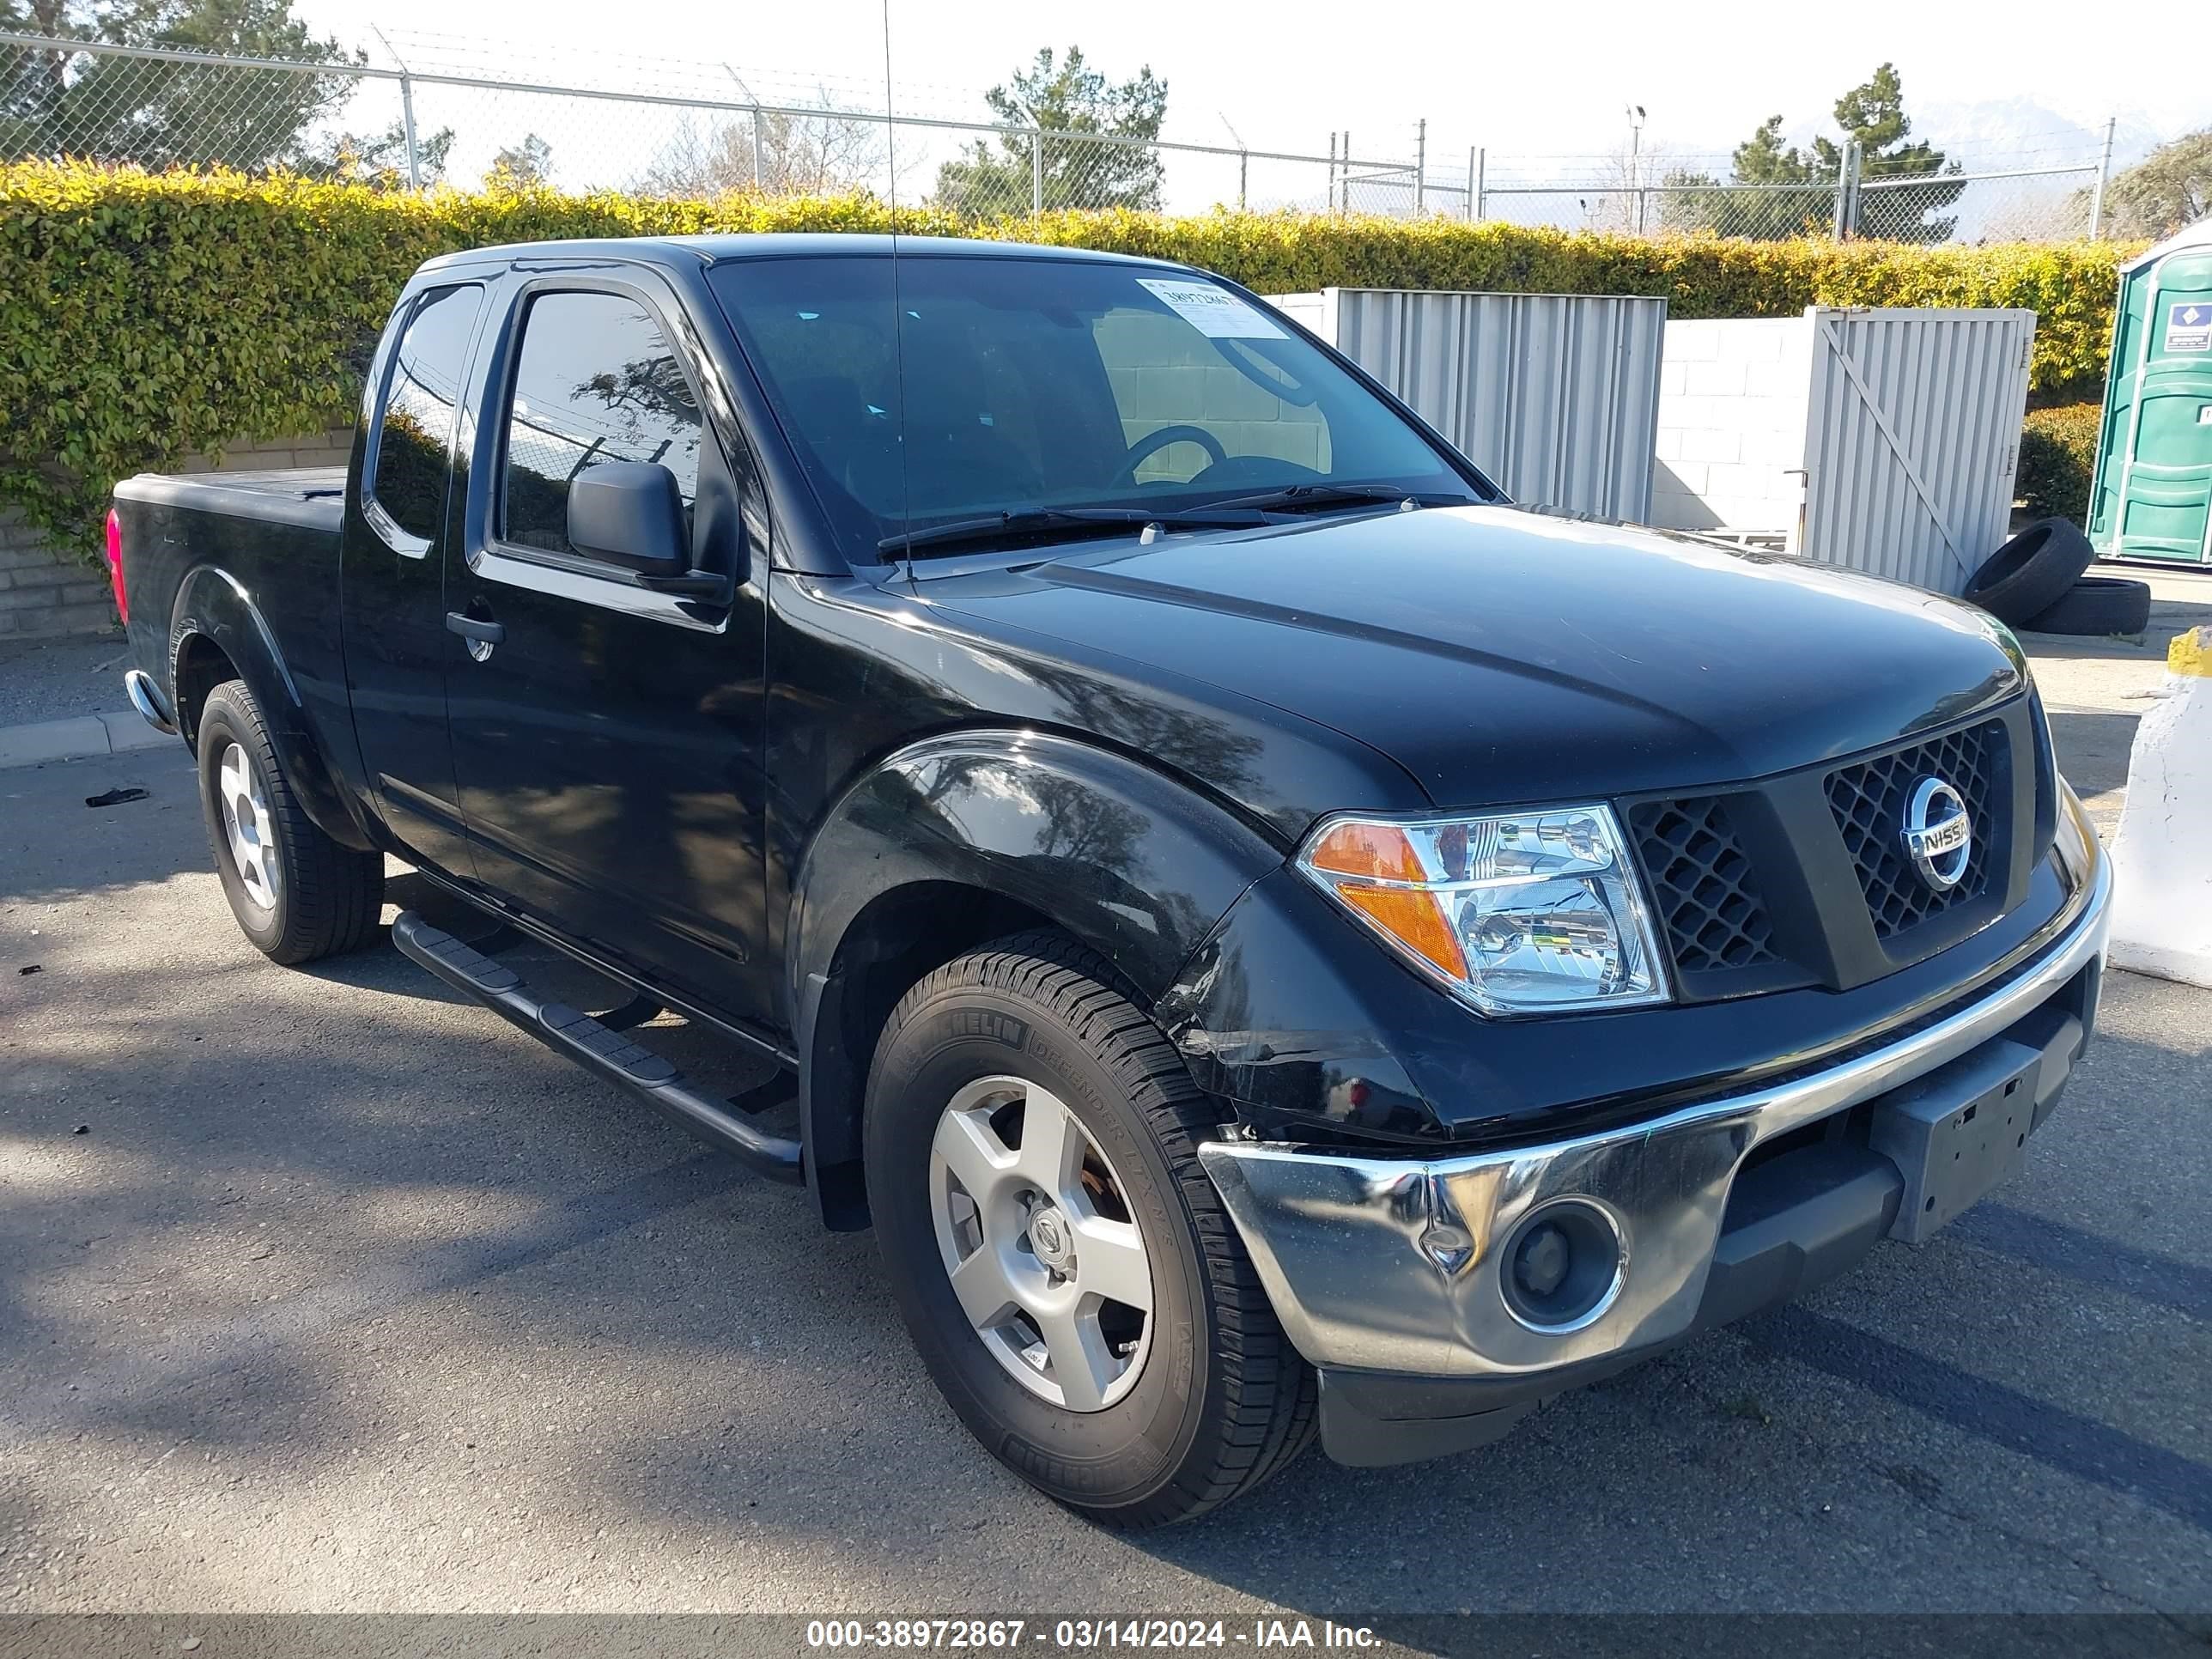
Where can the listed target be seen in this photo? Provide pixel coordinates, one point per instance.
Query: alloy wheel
(1039, 1243)
(246, 824)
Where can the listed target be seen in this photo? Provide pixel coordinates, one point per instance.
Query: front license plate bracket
(1958, 1132)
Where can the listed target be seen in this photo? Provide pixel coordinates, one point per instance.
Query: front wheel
(1063, 1264)
(297, 894)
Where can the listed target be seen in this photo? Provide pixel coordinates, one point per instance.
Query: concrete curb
(84, 738)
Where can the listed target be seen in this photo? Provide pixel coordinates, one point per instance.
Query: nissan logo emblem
(1939, 836)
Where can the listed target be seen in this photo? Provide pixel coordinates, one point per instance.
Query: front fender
(1122, 857)
(213, 606)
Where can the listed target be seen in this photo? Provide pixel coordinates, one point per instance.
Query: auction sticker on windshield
(1214, 312)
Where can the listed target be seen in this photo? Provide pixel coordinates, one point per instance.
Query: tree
(526, 165)
(1874, 115)
(1797, 188)
(2168, 190)
(1791, 198)
(809, 155)
(162, 114)
(377, 159)
(1065, 96)
(1624, 195)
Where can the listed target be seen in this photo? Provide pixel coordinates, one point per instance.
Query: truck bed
(307, 497)
(252, 559)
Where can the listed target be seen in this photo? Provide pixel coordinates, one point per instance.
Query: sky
(1523, 81)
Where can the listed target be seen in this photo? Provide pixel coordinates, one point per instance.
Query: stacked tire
(2034, 582)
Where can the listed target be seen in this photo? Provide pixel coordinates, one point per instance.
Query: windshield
(1050, 384)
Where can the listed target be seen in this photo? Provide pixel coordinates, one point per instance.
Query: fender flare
(213, 605)
(1129, 860)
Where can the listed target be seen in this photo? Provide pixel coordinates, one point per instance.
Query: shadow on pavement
(371, 1256)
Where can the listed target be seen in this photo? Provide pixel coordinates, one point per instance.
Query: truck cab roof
(715, 248)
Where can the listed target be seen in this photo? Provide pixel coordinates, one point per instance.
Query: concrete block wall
(1732, 414)
(48, 591)
(332, 448)
(43, 596)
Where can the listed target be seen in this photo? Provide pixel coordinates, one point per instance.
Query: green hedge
(145, 318)
(2058, 458)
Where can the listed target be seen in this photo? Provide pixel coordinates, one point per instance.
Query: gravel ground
(323, 1291)
(54, 679)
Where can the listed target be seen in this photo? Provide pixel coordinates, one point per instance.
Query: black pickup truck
(1274, 938)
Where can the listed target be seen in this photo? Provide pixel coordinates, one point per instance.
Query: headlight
(1515, 913)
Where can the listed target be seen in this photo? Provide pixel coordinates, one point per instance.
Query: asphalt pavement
(324, 1291)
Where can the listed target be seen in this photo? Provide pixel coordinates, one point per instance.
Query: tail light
(115, 565)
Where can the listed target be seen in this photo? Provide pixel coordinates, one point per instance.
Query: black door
(608, 737)
(393, 577)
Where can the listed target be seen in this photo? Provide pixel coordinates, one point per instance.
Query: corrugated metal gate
(1554, 396)
(1913, 440)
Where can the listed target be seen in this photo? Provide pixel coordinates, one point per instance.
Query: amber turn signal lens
(1381, 851)
(1415, 919)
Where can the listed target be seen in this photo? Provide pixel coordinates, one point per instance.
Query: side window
(415, 438)
(597, 381)
(1166, 374)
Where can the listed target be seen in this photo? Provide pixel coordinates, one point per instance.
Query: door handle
(481, 633)
(475, 632)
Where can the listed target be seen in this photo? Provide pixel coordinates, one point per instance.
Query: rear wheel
(297, 894)
(1063, 1263)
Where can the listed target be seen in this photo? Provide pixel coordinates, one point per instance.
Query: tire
(2030, 573)
(323, 899)
(2096, 604)
(1215, 1399)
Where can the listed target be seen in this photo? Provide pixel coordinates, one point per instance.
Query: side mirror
(629, 513)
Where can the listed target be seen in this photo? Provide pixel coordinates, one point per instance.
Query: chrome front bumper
(1385, 1265)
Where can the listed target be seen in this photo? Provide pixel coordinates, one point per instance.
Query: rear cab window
(406, 498)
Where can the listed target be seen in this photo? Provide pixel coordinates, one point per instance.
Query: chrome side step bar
(576, 1036)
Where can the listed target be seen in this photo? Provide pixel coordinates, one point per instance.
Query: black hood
(1502, 658)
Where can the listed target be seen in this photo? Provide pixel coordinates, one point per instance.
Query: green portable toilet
(2152, 496)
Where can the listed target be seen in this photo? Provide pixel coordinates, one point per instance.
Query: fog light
(1564, 1266)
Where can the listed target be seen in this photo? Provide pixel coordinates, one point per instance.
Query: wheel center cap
(1052, 1240)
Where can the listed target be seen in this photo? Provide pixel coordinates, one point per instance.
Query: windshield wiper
(1028, 521)
(1293, 498)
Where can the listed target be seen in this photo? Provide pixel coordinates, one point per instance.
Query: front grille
(1703, 884)
(1869, 798)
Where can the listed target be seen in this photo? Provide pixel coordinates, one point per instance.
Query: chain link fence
(1977, 201)
(700, 130)
(412, 128)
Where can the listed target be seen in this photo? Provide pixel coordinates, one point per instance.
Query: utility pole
(1421, 167)
(1636, 160)
(2104, 174)
(1243, 160)
(755, 102)
(406, 112)
(1847, 180)
(1036, 163)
